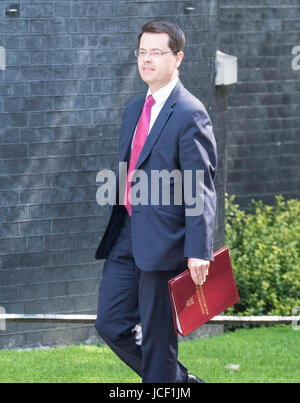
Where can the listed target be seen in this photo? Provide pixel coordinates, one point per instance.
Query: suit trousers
(129, 297)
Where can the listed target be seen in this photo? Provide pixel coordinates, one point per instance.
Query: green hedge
(265, 250)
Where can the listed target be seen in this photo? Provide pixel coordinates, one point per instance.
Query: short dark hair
(176, 36)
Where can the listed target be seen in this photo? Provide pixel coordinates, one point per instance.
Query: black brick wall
(263, 120)
(70, 72)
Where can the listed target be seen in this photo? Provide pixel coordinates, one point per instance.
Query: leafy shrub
(264, 244)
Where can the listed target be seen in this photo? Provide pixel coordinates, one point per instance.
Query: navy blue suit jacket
(182, 138)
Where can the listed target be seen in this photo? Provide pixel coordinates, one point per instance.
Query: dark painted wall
(263, 120)
(70, 72)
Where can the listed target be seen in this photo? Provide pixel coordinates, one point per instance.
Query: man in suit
(147, 244)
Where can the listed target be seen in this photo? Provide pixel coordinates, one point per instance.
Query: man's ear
(178, 62)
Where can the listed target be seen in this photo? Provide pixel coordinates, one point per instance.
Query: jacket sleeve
(198, 163)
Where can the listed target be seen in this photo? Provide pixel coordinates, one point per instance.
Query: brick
(78, 41)
(36, 119)
(13, 119)
(11, 74)
(33, 11)
(8, 294)
(81, 72)
(12, 41)
(59, 226)
(61, 57)
(85, 117)
(12, 277)
(35, 243)
(39, 41)
(33, 292)
(55, 149)
(35, 212)
(61, 87)
(61, 72)
(57, 289)
(57, 242)
(85, 87)
(17, 58)
(62, 41)
(37, 104)
(10, 197)
(9, 230)
(59, 257)
(37, 57)
(29, 196)
(12, 245)
(15, 214)
(39, 227)
(37, 88)
(37, 26)
(86, 10)
(63, 11)
(13, 151)
(38, 165)
(14, 26)
(80, 287)
(11, 135)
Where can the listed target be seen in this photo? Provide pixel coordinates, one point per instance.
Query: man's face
(157, 71)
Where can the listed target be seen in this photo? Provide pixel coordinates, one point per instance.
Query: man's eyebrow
(152, 49)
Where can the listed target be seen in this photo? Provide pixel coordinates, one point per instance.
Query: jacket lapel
(129, 125)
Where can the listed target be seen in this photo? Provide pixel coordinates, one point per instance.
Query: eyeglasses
(153, 53)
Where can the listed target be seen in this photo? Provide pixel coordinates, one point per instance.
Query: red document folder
(195, 305)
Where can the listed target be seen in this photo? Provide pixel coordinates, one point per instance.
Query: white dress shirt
(160, 96)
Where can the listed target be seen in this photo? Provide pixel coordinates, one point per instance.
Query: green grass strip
(265, 354)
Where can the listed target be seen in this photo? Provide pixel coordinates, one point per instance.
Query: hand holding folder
(193, 305)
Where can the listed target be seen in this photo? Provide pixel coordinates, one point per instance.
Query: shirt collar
(161, 95)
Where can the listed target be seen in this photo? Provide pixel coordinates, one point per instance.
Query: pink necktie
(138, 143)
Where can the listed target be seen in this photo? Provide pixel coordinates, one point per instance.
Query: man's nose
(148, 58)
